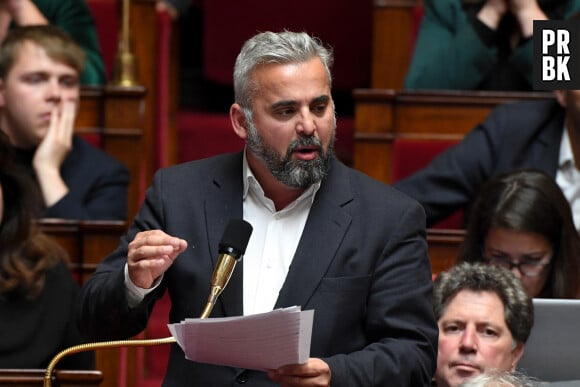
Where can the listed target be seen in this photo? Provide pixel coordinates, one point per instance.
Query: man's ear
(561, 97)
(517, 353)
(239, 122)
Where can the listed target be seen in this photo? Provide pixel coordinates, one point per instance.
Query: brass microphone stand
(124, 67)
(221, 276)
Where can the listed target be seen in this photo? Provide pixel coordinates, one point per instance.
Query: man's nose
(516, 271)
(468, 342)
(54, 90)
(306, 124)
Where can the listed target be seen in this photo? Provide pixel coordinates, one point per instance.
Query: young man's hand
(52, 151)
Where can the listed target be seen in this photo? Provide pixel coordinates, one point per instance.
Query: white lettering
(563, 40)
(548, 68)
(563, 74)
(548, 39)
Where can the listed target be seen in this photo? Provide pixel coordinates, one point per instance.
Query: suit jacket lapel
(222, 203)
(323, 232)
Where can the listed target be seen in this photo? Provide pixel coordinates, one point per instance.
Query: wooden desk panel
(393, 23)
(382, 115)
(115, 115)
(62, 378)
(444, 248)
(87, 243)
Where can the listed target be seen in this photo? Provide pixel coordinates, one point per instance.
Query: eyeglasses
(526, 267)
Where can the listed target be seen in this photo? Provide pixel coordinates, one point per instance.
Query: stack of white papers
(261, 341)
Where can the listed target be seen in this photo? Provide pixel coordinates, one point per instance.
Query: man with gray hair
(325, 237)
(484, 317)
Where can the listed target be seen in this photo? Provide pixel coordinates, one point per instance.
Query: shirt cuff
(135, 294)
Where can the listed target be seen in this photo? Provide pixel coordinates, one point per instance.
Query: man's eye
(69, 82)
(489, 332)
(33, 79)
(319, 109)
(285, 112)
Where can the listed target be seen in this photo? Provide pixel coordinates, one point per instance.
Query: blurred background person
(542, 134)
(521, 221)
(37, 290)
(480, 44)
(72, 16)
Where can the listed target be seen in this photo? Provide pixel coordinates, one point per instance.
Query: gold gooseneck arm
(221, 276)
(233, 242)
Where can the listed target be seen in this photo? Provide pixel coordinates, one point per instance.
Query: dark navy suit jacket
(96, 181)
(361, 264)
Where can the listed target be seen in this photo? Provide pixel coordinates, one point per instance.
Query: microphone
(231, 250)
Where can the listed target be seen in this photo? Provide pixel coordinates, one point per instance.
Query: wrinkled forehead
(475, 305)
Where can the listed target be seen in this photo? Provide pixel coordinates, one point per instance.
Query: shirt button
(242, 378)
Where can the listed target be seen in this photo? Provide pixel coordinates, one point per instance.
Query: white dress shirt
(274, 240)
(270, 250)
(568, 177)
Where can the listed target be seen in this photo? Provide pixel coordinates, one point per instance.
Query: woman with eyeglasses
(523, 222)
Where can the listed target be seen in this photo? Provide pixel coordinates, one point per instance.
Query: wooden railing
(87, 243)
(382, 115)
(116, 116)
(61, 378)
(444, 248)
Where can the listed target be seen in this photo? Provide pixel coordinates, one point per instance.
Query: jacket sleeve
(451, 180)
(103, 311)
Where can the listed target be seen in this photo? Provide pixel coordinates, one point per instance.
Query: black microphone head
(235, 238)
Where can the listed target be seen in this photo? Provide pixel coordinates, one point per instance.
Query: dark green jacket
(451, 54)
(74, 17)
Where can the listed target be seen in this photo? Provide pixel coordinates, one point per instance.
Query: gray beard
(293, 173)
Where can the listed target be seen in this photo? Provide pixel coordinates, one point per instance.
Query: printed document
(261, 341)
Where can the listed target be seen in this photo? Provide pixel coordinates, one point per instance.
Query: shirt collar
(566, 156)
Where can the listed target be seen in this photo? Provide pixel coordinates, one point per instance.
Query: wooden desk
(382, 115)
(87, 243)
(115, 115)
(62, 378)
(444, 248)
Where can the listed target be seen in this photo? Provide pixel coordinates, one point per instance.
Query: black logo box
(573, 64)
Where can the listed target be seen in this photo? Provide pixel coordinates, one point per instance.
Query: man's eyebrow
(290, 103)
(283, 104)
(322, 98)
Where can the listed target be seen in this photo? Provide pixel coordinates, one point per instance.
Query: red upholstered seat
(410, 155)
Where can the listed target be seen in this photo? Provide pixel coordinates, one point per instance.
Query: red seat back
(107, 17)
(410, 155)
